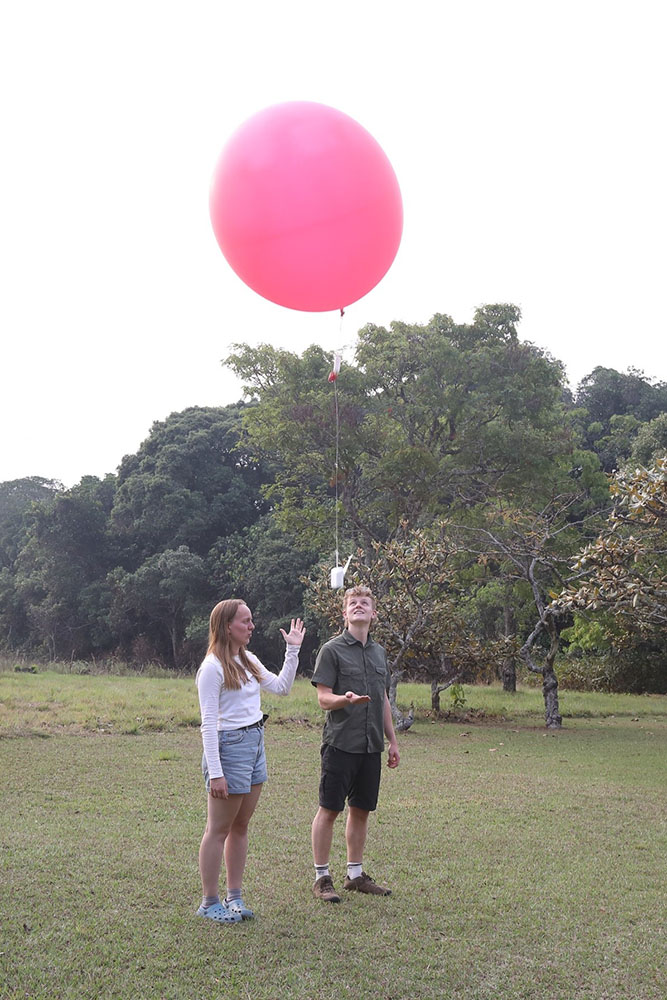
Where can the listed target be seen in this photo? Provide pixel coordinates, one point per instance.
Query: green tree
(615, 447)
(651, 442)
(531, 538)
(503, 609)
(620, 590)
(16, 498)
(607, 392)
(160, 598)
(67, 551)
(188, 484)
(611, 409)
(429, 416)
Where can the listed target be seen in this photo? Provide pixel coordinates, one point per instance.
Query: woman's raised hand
(296, 633)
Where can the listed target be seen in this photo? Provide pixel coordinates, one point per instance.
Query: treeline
(469, 481)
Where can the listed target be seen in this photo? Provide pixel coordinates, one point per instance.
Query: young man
(352, 680)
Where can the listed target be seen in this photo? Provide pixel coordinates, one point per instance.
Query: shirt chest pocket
(350, 680)
(376, 678)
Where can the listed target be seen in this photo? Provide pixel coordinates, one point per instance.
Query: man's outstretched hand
(355, 699)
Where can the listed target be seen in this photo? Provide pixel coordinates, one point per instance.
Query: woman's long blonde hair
(234, 673)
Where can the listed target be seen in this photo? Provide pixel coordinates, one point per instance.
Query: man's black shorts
(351, 776)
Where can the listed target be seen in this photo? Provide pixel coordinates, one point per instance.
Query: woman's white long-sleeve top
(223, 708)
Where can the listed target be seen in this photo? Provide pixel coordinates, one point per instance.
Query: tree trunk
(393, 685)
(173, 635)
(550, 682)
(550, 691)
(401, 722)
(509, 674)
(437, 689)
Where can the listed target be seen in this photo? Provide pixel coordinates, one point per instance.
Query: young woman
(234, 764)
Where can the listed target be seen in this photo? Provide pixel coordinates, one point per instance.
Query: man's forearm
(388, 721)
(330, 701)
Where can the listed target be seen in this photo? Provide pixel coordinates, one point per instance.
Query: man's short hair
(359, 591)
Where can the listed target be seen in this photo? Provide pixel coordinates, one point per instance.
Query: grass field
(524, 864)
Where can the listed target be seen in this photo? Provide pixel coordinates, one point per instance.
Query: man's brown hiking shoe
(364, 883)
(324, 889)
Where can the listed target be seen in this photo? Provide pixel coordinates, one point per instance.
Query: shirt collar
(351, 641)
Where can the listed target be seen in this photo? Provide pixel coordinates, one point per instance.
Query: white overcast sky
(528, 138)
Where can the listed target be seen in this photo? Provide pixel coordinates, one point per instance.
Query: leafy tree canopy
(650, 443)
(16, 498)
(189, 483)
(607, 392)
(624, 571)
(66, 551)
(165, 591)
(429, 416)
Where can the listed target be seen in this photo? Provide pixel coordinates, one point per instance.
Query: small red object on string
(332, 376)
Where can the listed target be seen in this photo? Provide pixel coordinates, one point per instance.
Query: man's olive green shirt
(344, 664)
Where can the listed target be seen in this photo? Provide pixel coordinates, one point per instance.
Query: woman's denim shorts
(242, 757)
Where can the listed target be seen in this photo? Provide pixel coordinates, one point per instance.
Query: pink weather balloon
(306, 207)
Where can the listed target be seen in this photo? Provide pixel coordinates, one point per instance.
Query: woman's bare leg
(236, 843)
(221, 816)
